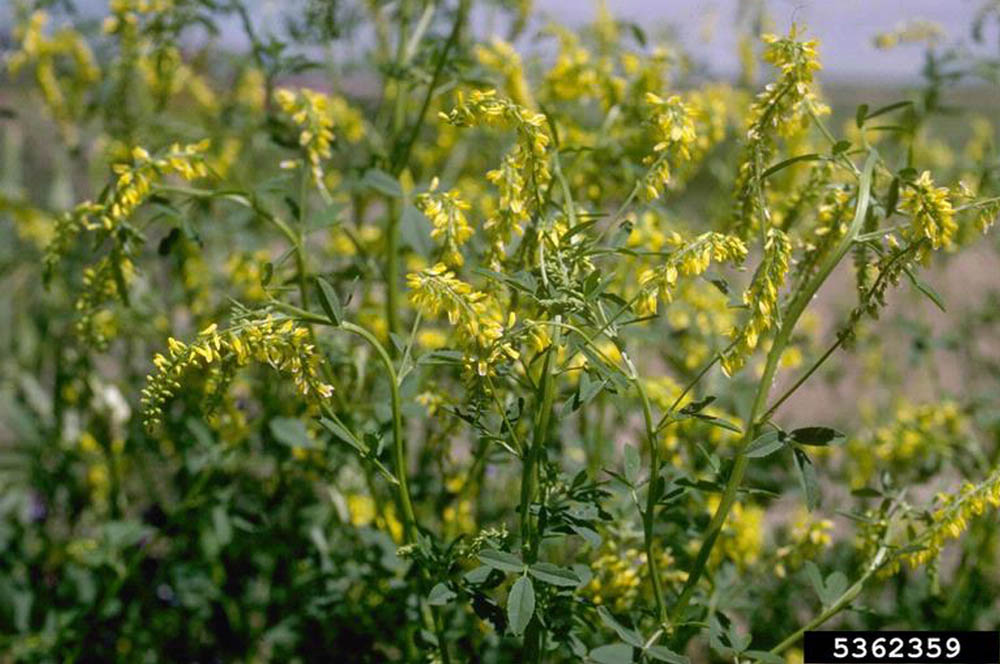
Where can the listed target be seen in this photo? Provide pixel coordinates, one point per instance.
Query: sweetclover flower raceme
(783, 108)
(762, 299)
(310, 111)
(475, 315)
(131, 187)
(674, 126)
(690, 260)
(951, 518)
(282, 345)
(524, 171)
(931, 213)
(451, 230)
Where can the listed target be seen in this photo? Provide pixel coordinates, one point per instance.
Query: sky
(845, 29)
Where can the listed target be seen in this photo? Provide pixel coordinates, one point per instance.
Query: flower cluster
(524, 172)
(674, 128)
(762, 299)
(931, 213)
(500, 56)
(134, 181)
(809, 536)
(61, 87)
(106, 280)
(131, 187)
(475, 316)
(917, 434)
(111, 275)
(782, 109)
(911, 32)
(742, 538)
(310, 111)
(620, 577)
(690, 260)
(446, 210)
(783, 106)
(576, 74)
(280, 344)
(952, 517)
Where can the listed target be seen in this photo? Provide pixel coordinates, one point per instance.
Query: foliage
(434, 347)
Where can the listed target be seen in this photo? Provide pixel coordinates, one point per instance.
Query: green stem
(410, 525)
(795, 309)
(300, 252)
(838, 605)
(529, 472)
(392, 266)
(398, 441)
(648, 517)
(531, 538)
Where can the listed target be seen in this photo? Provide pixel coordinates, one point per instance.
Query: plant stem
(392, 266)
(531, 538)
(398, 441)
(838, 605)
(795, 309)
(648, 517)
(410, 525)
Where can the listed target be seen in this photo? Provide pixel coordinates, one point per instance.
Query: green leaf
(501, 560)
(291, 432)
(342, 434)
(841, 146)
(818, 436)
(440, 595)
(624, 633)
(329, 301)
(589, 534)
(663, 654)
(892, 198)
(554, 575)
(807, 478)
(478, 575)
(793, 160)
(764, 656)
(382, 182)
(887, 109)
(836, 584)
(520, 605)
(616, 653)
(927, 290)
(697, 406)
(816, 580)
(860, 115)
(414, 230)
(631, 463)
(766, 444)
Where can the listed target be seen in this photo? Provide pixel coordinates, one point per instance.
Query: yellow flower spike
(690, 260)
(284, 348)
(450, 227)
(931, 213)
(523, 173)
(762, 299)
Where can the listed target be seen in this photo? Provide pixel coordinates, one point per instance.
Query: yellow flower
(690, 260)
(761, 297)
(475, 316)
(931, 213)
(310, 111)
(446, 211)
(280, 344)
(674, 130)
(523, 174)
